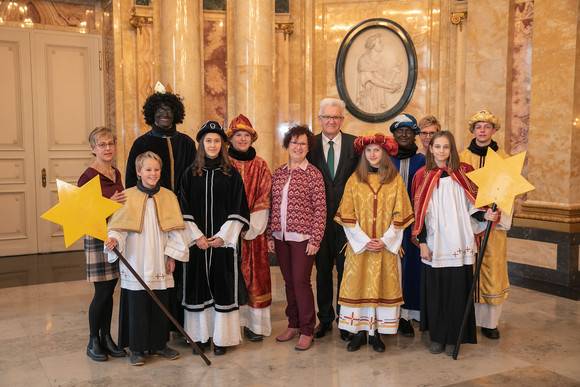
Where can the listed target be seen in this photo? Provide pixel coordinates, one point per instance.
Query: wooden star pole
(473, 283)
(163, 308)
(499, 181)
(71, 213)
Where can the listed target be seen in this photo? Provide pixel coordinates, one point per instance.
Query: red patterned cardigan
(306, 203)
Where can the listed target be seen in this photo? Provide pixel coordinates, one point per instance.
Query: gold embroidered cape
(373, 279)
(130, 216)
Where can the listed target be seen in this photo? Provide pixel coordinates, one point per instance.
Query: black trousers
(330, 251)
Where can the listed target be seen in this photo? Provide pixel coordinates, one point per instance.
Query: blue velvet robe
(411, 262)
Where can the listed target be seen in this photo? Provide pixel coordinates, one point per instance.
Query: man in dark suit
(334, 156)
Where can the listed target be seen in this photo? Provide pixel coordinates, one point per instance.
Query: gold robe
(369, 278)
(493, 286)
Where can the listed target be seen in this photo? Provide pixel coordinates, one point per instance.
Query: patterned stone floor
(44, 332)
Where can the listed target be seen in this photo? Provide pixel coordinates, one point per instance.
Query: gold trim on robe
(130, 216)
(369, 278)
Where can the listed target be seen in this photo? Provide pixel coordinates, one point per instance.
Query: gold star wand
(498, 182)
(83, 210)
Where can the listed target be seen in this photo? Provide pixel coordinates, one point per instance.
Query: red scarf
(425, 182)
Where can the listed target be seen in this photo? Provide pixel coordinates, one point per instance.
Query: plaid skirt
(98, 268)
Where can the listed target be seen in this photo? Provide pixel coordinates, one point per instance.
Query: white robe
(147, 252)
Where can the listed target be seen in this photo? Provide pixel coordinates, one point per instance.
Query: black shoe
(406, 328)
(321, 329)
(166, 353)
(110, 347)
(137, 358)
(201, 346)
(218, 351)
(95, 351)
(253, 337)
(345, 335)
(490, 333)
(358, 340)
(376, 342)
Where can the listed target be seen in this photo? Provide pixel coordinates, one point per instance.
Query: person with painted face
(163, 111)
(215, 211)
(374, 212)
(493, 283)
(408, 162)
(255, 315)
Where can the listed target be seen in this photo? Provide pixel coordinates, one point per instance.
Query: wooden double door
(52, 97)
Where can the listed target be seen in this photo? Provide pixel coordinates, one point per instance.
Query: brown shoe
(304, 343)
(288, 334)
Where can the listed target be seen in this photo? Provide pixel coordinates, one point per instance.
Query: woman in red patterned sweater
(295, 229)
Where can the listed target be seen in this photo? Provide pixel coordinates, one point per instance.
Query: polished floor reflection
(44, 332)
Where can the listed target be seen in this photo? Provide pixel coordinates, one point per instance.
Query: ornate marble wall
(521, 75)
(215, 90)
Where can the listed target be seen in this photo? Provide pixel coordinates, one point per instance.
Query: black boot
(376, 342)
(95, 351)
(110, 347)
(358, 340)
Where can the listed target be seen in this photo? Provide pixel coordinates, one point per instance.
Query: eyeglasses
(301, 144)
(426, 134)
(103, 145)
(328, 118)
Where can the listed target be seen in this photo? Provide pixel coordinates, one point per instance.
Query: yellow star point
(500, 181)
(81, 210)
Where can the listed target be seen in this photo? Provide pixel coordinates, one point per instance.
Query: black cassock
(212, 277)
(176, 157)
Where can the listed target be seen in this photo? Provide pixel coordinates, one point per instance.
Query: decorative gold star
(500, 181)
(81, 210)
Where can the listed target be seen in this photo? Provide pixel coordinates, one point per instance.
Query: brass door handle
(43, 173)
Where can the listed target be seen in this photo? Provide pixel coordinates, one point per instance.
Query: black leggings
(101, 308)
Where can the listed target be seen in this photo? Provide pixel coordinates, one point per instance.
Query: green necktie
(330, 159)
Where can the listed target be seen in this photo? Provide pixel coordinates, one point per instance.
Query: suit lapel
(318, 158)
(344, 155)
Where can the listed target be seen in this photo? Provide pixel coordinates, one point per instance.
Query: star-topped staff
(498, 182)
(72, 214)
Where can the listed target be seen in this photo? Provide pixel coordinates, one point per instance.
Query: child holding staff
(148, 230)
(445, 224)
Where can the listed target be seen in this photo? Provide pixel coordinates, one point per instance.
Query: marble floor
(44, 332)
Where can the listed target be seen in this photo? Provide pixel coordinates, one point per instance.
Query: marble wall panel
(521, 76)
(282, 99)
(145, 59)
(215, 70)
(333, 21)
(552, 103)
(109, 67)
(46, 14)
(533, 253)
(486, 62)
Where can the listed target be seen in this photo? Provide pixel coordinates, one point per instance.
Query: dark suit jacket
(346, 165)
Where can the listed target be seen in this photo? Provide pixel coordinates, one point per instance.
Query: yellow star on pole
(500, 181)
(81, 210)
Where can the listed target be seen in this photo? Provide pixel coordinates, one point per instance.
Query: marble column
(486, 51)
(547, 228)
(554, 104)
(178, 42)
(251, 50)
